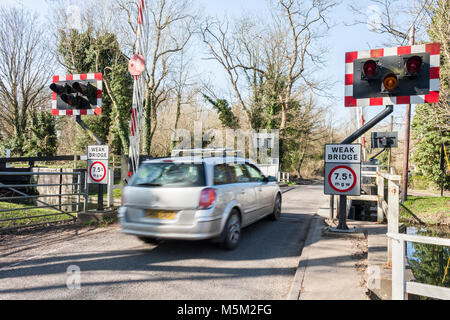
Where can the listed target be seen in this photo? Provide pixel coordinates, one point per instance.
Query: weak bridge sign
(342, 169)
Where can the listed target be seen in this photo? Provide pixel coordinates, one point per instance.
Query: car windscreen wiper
(149, 184)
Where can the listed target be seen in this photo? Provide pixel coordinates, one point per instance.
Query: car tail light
(413, 64)
(370, 68)
(207, 198)
(390, 82)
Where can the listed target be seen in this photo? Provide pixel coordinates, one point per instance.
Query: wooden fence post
(110, 187)
(380, 194)
(393, 188)
(398, 269)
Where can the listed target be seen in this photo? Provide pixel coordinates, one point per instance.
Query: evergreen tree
(428, 148)
(84, 53)
(42, 135)
(431, 124)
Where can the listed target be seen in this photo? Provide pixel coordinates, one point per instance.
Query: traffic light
(384, 140)
(403, 75)
(77, 94)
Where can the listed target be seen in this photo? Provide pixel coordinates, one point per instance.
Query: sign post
(342, 174)
(97, 159)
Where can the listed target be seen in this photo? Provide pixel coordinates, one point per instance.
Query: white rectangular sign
(97, 157)
(98, 152)
(342, 153)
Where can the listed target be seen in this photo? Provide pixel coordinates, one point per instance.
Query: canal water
(429, 262)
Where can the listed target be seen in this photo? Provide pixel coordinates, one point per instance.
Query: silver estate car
(197, 198)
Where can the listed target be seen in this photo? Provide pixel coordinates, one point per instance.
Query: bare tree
(394, 18)
(223, 48)
(25, 70)
(301, 22)
(281, 52)
(167, 31)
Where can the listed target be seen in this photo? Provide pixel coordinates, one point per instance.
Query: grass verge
(28, 216)
(430, 210)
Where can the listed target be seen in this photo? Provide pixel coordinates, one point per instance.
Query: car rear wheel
(150, 240)
(276, 214)
(232, 231)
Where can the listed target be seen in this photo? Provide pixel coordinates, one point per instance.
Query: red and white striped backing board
(432, 97)
(77, 112)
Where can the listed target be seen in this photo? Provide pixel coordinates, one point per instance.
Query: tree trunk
(147, 127)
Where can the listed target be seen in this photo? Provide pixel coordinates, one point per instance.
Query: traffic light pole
(100, 186)
(355, 135)
(407, 137)
(85, 127)
(378, 153)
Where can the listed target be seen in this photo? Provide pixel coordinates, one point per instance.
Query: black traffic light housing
(403, 75)
(384, 140)
(75, 94)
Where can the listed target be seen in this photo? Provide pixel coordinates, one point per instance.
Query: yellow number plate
(160, 214)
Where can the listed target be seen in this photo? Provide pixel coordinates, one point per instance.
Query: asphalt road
(113, 265)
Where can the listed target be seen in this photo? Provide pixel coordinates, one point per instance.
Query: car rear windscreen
(169, 174)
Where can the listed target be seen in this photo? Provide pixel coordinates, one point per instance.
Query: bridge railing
(399, 285)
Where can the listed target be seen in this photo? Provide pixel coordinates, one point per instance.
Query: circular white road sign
(342, 178)
(97, 171)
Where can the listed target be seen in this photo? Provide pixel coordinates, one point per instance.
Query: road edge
(296, 285)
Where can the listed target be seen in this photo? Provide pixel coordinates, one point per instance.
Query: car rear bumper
(202, 228)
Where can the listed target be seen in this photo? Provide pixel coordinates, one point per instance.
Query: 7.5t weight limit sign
(342, 169)
(342, 178)
(97, 172)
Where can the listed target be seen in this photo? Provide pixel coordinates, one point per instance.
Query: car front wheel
(276, 214)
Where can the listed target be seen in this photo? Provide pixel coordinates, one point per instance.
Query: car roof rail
(207, 152)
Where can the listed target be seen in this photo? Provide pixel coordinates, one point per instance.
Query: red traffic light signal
(370, 68)
(413, 64)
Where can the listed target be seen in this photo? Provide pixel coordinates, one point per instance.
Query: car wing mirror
(270, 179)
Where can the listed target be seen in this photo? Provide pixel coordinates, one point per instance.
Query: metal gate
(35, 198)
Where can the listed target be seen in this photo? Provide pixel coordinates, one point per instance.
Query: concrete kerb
(314, 223)
(317, 228)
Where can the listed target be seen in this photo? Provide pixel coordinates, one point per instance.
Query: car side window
(239, 173)
(254, 172)
(221, 175)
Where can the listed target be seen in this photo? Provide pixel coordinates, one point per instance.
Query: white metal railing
(283, 176)
(399, 286)
(389, 208)
(371, 174)
(111, 186)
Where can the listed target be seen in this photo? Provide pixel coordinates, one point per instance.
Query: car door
(222, 182)
(263, 189)
(245, 192)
